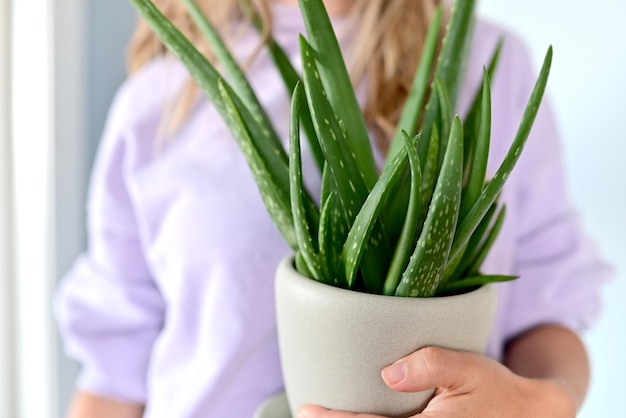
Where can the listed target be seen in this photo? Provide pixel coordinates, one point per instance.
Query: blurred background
(61, 62)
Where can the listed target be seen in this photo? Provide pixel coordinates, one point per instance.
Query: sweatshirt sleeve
(108, 308)
(561, 271)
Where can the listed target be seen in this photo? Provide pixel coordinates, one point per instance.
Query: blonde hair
(387, 43)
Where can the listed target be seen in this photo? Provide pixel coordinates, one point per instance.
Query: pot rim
(287, 264)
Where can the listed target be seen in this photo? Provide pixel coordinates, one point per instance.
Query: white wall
(588, 89)
(90, 41)
(8, 371)
(70, 78)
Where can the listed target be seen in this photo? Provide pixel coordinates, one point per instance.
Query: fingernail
(394, 373)
(303, 413)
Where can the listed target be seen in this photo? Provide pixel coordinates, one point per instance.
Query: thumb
(431, 368)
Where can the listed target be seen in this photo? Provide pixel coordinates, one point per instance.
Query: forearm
(86, 405)
(552, 353)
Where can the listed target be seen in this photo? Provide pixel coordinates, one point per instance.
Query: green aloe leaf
(361, 229)
(471, 124)
(478, 170)
(199, 67)
(306, 243)
(348, 180)
(301, 264)
(455, 50)
(422, 275)
(446, 115)
(276, 198)
(482, 253)
(475, 281)
(450, 67)
(334, 75)
(411, 112)
(429, 174)
(283, 65)
(238, 80)
(341, 162)
(332, 232)
(328, 183)
(458, 266)
(290, 78)
(410, 229)
(491, 192)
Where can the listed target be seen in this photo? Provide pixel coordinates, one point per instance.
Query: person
(170, 310)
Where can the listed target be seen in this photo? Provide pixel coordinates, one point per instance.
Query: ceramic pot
(335, 342)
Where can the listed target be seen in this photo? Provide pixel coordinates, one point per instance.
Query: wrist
(554, 398)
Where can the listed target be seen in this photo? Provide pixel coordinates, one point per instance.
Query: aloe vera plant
(424, 224)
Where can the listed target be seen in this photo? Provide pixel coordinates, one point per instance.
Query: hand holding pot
(468, 385)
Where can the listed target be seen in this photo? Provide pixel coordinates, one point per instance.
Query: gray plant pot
(335, 342)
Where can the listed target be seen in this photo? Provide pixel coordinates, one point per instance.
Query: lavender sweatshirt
(172, 304)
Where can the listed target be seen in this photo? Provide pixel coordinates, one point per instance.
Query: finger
(312, 411)
(431, 368)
